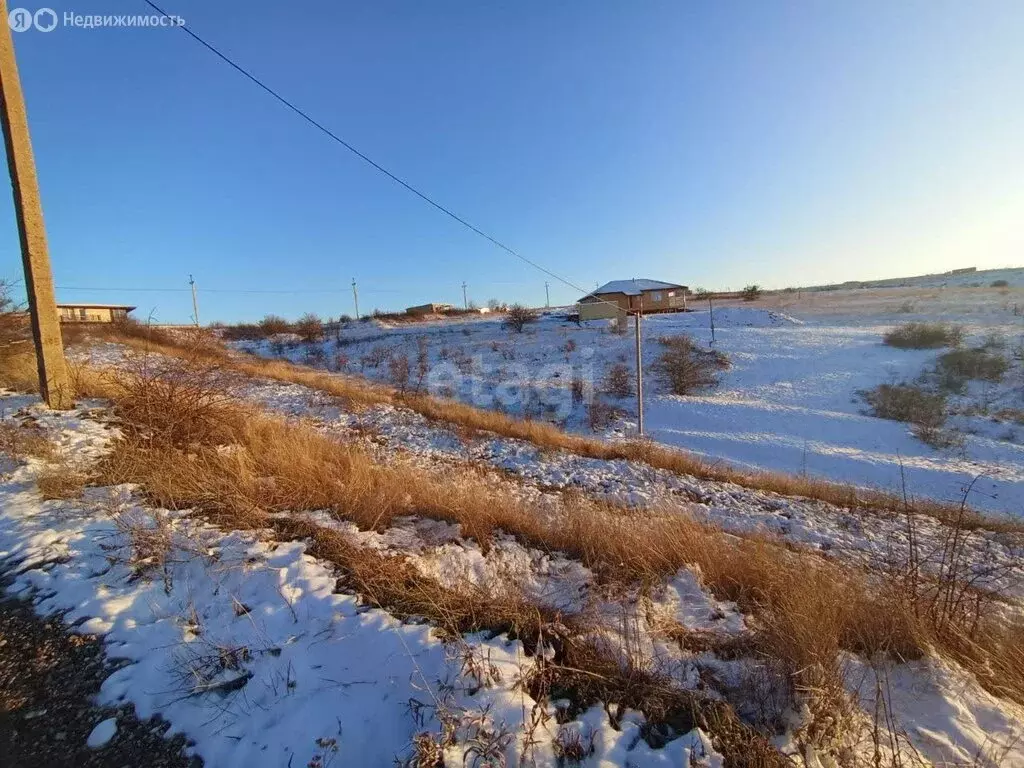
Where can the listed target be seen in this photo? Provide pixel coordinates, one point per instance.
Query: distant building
(622, 297)
(93, 313)
(428, 309)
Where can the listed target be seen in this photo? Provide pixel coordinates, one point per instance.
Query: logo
(22, 19)
(45, 19)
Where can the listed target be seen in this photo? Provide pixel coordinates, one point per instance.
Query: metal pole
(547, 295)
(711, 314)
(639, 373)
(465, 301)
(195, 302)
(54, 384)
(355, 297)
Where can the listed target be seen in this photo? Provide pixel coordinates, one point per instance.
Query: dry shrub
(618, 381)
(358, 391)
(61, 481)
(181, 401)
(518, 317)
(20, 439)
(907, 402)
(807, 608)
(685, 368)
(399, 371)
(271, 325)
(924, 336)
(976, 363)
(309, 327)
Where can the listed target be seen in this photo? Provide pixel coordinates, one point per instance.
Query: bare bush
(61, 481)
(685, 368)
(182, 401)
(976, 363)
(19, 440)
(13, 324)
(751, 292)
(600, 415)
(399, 371)
(518, 317)
(271, 325)
(619, 381)
(907, 402)
(309, 327)
(924, 336)
(999, 284)
(578, 390)
(374, 357)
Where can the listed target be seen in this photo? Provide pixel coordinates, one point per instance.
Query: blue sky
(713, 144)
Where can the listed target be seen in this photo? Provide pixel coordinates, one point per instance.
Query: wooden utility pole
(547, 294)
(355, 297)
(54, 384)
(465, 299)
(195, 302)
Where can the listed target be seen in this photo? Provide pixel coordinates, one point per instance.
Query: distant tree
(272, 325)
(309, 327)
(701, 293)
(518, 317)
(12, 324)
(751, 292)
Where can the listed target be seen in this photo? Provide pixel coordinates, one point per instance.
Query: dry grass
(809, 608)
(924, 336)
(22, 439)
(61, 481)
(469, 419)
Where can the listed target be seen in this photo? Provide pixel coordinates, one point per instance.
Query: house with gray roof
(626, 297)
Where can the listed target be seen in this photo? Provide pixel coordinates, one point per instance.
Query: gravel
(48, 682)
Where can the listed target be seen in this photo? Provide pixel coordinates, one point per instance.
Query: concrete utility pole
(639, 373)
(547, 294)
(465, 300)
(54, 384)
(355, 297)
(195, 302)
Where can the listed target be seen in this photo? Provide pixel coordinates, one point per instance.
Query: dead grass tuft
(20, 439)
(685, 367)
(924, 336)
(473, 420)
(61, 481)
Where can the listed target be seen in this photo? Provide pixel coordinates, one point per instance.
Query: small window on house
(656, 296)
(671, 294)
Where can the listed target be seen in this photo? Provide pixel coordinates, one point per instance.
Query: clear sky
(708, 143)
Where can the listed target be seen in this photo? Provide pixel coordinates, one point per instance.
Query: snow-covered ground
(247, 645)
(789, 402)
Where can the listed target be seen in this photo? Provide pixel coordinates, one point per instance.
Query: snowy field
(789, 401)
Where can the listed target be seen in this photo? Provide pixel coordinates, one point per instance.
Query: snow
(633, 287)
(247, 646)
(102, 733)
(789, 402)
(940, 711)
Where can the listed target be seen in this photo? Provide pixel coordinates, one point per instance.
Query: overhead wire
(365, 158)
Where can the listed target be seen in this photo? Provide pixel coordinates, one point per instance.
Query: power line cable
(377, 166)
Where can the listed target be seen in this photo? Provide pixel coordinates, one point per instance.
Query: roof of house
(81, 305)
(633, 287)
